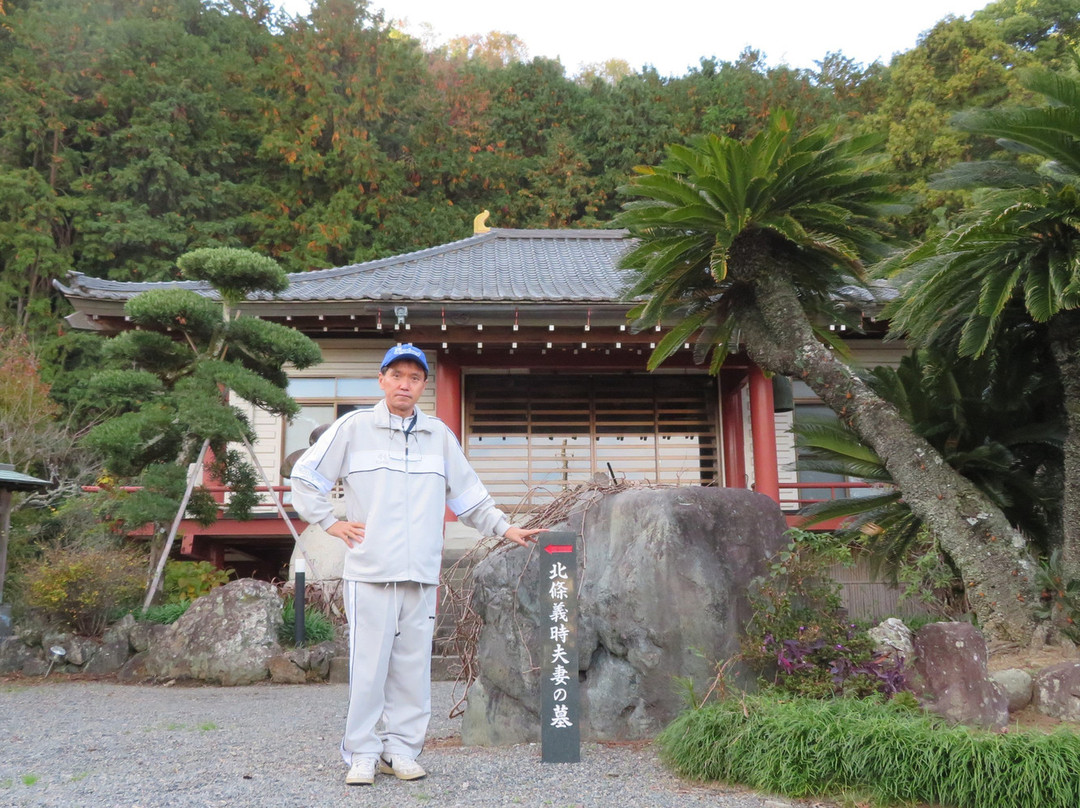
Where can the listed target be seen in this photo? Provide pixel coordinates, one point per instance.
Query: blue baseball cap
(406, 351)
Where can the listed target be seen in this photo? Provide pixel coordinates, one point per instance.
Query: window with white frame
(322, 401)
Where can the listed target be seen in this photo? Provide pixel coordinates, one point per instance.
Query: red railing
(213, 489)
(217, 491)
(837, 490)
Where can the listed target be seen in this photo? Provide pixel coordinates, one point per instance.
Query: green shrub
(317, 626)
(1060, 597)
(190, 580)
(800, 638)
(927, 578)
(81, 588)
(887, 750)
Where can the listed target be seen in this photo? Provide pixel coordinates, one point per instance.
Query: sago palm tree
(1019, 242)
(749, 242)
(991, 419)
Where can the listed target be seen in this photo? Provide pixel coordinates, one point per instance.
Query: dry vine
(325, 595)
(458, 587)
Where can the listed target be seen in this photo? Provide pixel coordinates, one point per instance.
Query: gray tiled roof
(12, 480)
(501, 265)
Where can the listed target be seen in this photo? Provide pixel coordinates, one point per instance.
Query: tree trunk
(5, 529)
(1065, 346)
(991, 555)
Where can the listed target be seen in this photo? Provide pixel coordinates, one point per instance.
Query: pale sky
(673, 36)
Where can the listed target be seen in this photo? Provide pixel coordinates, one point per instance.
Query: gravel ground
(81, 744)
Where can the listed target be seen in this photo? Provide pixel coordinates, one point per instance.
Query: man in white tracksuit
(401, 469)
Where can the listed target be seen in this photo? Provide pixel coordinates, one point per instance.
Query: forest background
(132, 132)
(135, 131)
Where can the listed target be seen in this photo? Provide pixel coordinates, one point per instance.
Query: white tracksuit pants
(390, 632)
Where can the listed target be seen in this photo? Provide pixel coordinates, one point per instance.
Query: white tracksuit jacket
(398, 483)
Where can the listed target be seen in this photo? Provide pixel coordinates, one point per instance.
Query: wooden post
(560, 714)
(5, 529)
(192, 476)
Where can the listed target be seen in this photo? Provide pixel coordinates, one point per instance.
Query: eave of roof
(11, 480)
(500, 266)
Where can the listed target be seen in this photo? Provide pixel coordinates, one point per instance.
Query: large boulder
(661, 597)
(952, 678)
(325, 554)
(1057, 691)
(226, 637)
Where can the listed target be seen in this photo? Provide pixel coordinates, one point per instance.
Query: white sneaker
(362, 771)
(401, 767)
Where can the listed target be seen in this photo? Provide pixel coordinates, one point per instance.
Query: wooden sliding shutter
(530, 436)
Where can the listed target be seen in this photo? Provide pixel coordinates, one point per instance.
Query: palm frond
(675, 338)
(984, 174)
(828, 510)
(811, 191)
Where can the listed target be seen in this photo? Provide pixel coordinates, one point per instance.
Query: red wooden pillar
(448, 401)
(731, 428)
(448, 394)
(763, 429)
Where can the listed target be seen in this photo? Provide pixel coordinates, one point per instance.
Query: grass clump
(888, 750)
(317, 626)
(165, 613)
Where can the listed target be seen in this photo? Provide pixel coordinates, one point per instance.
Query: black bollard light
(298, 603)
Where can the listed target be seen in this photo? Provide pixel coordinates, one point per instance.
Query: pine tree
(168, 385)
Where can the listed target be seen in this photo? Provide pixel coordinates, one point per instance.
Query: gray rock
(497, 719)
(134, 670)
(84, 649)
(34, 665)
(73, 649)
(300, 657)
(227, 637)
(1017, 686)
(284, 670)
(952, 678)
(30, 631)
(338, 671)
(14, 654)
(894, 638)
(1057, 691)
(318, 659)
(110, 655)
(120, 630)
(662, 594)
(144, 634)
